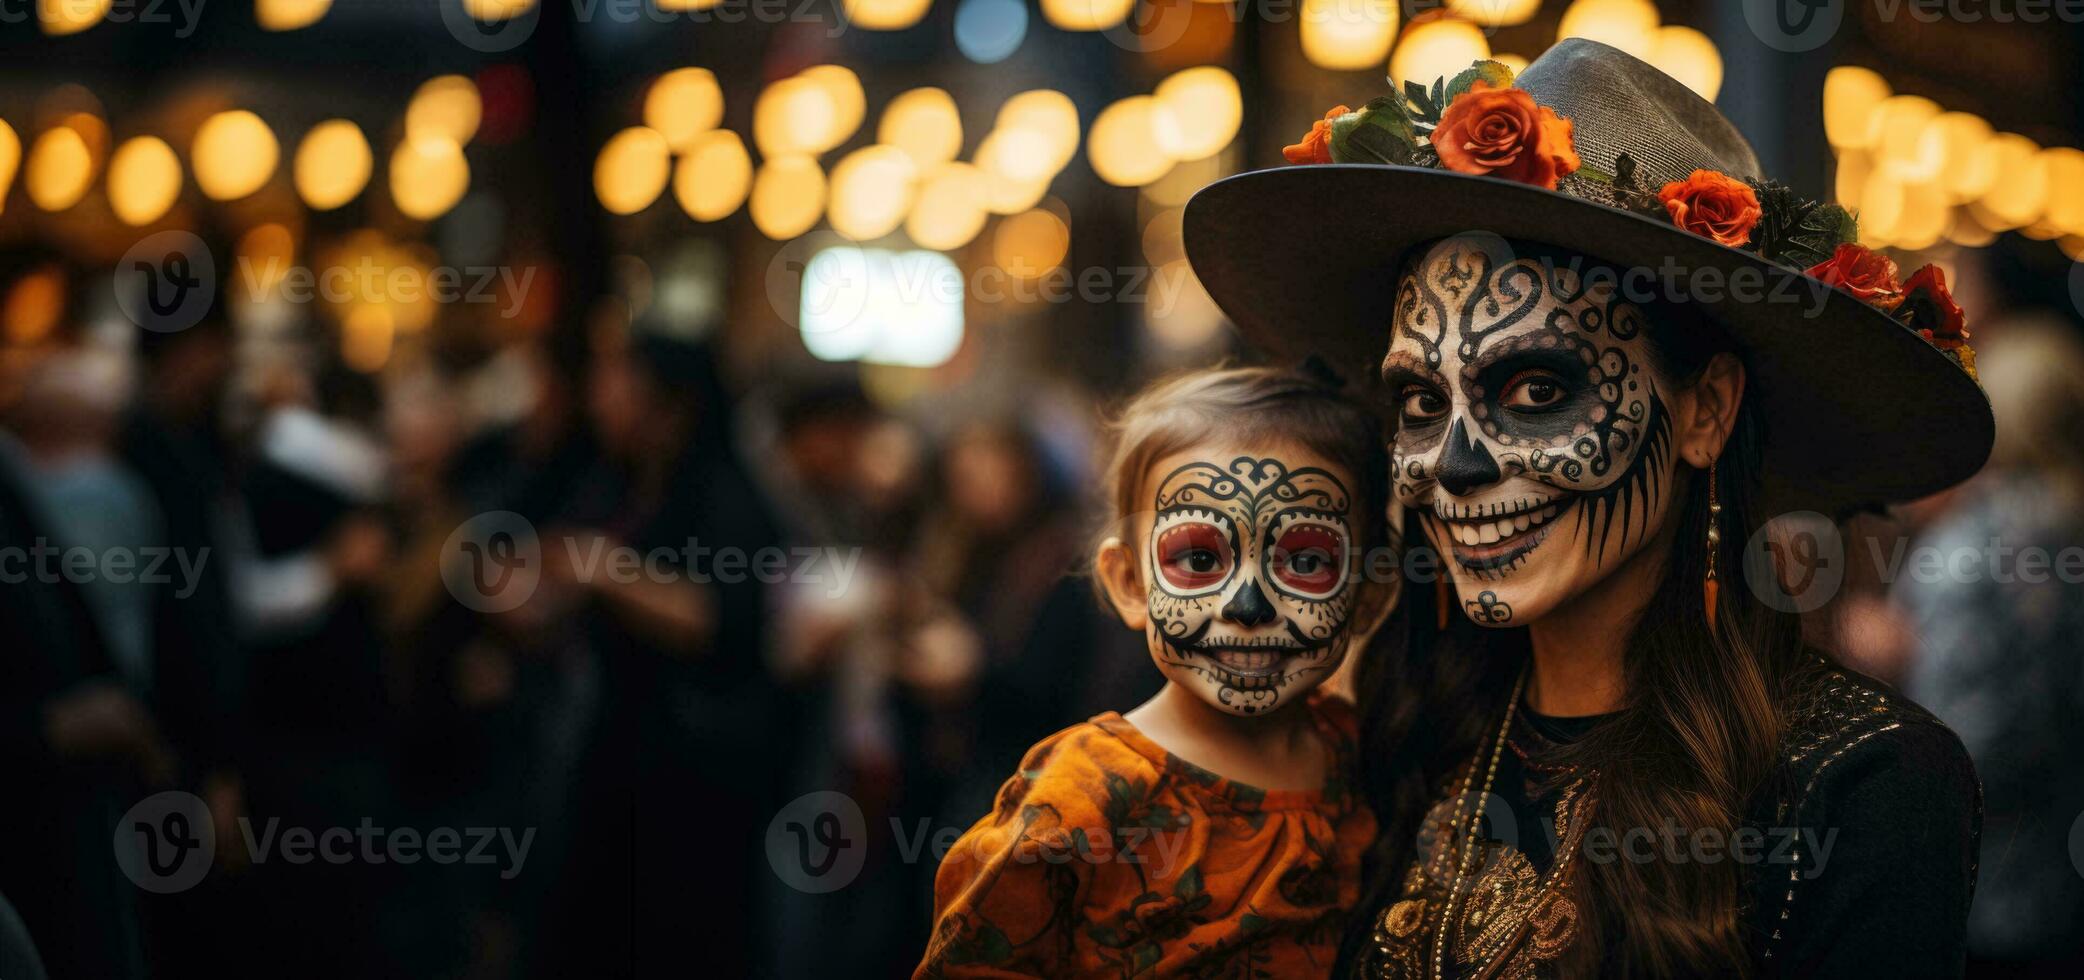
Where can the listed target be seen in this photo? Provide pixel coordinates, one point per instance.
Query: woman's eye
(1307, 563)
(1199, 560)
(1423, 403)
(1533, 391)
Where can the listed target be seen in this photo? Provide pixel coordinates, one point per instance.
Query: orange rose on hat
(1712, 205)
(1501, 132)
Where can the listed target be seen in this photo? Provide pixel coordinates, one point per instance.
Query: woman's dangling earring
(1711, 588)
(1444, 597)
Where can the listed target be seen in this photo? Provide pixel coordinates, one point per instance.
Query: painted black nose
(1249, 607)
(1466, 465)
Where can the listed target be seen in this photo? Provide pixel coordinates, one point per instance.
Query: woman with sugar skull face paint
(1594, 739)
(1210, 831)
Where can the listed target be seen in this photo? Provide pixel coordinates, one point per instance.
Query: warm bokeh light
(60, 169)
(365, 338)
(1894, 129)
(1630, 25)
(1086, 15)
(1181, 315)
(1853, 168)
(924, 124)
(1050, 113)
(289, 15)
(1518, 63)
(1123, 145)
(1924, 218)
(332, 164)
(447, 106)
(34, 305)
(234, 154)
(496, 10)
(61, 17)
(1688, 55)
(885, 15)
(1437, 49)
(1850, 94)
(1958, 143)
(951, 208)
(843, 92)
(2064, 211)
(794, 116)
(684, 104)
(632, 170)
(428, 176)
(1016, 164)
(1495, 13)
(713, 176)
(685, 6)
(871, 192)
(788, 196)
(1881, 208)
(266, 254)
(10, 160)
(1198, 112)
(1030, 243)
(1186, 177)
(2020, 191)
(1348, 35)
(144, 180)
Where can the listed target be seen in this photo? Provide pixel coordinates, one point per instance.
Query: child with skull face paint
(1211, 829)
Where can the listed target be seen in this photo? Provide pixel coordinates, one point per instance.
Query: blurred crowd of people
(307, 666)
(313, 669)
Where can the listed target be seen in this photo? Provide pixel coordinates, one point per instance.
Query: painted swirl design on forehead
(1462, 313)
(1254, 484)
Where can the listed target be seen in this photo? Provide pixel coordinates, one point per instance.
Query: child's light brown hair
(1251, 406)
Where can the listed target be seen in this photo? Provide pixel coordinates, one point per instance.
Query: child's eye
(1193, 557)
(1533, 391)
(1307, 560)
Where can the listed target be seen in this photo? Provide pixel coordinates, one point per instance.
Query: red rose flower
(1712, 205)
(1928, 307)
(1863, 272)
(1316, 145)
(1502, 133)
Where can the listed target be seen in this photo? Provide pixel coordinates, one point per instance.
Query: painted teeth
(1247, 659)
(1474, 533)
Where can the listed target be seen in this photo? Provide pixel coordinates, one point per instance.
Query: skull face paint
(1533, 440)
(1252, 570)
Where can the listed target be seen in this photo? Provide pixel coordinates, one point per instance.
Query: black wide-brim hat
(1857, 407)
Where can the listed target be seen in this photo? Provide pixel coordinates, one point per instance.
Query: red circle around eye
(1309, 559)
(1193, 556)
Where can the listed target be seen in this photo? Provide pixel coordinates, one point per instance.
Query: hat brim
(1857, 408)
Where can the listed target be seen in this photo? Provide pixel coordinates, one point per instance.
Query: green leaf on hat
(1381, 132)
(1490, 73)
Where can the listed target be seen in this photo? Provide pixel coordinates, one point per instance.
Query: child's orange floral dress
(1108, 856)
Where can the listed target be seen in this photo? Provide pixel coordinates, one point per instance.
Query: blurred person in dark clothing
(1996, 650)
(173, 437)
(77, 739)
(313, 553)
(1000, 560)
(677, 779)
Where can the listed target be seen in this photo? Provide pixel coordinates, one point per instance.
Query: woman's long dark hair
(1695, 739)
